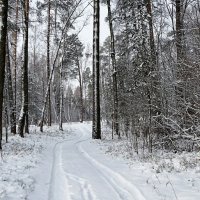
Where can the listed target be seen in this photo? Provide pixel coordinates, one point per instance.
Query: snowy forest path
(79, 174)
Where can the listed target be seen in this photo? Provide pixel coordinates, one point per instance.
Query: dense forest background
(143, 82)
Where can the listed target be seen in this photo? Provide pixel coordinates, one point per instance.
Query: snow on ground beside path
(20, 158)
(56, 166)
(173, 176)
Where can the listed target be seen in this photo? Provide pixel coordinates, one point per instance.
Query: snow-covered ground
(22, 160)
(72, 166)
(172, 176)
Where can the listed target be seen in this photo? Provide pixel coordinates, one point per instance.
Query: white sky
(86, 35)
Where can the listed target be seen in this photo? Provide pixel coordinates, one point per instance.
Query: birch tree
(23, 123)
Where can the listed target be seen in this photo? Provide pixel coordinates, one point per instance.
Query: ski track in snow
(86, 189)
(65, 185)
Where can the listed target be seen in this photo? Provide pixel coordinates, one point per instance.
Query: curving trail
(79, 174)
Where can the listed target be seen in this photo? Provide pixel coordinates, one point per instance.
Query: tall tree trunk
(6, 119)
(93, 82)
(48, 63)
(23, 122)
(10, 94)
(3, 35)
(15, 62)
(61, 98)
(180, 73)
(81, 88)
(96, 134)
(115, 84)
(153, 92)
(6, 104)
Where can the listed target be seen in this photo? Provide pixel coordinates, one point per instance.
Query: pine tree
(96, 133)
(114, 65)
(3, 35)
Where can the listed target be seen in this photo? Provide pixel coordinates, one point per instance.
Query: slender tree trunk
(115, 85)
(96, 68)
(10, 93)
(93, 82)
(23, 122)
(15, 64)
(180, 73)
(3, 35)
(179, 32)
(153, 92)
(6, 106)
(61, 98)
(48, 63)
(6, 121)
(81, 89)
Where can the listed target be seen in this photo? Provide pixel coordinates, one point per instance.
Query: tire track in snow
(59, 187)
(123, 195)
(58, 178)
(59, 182)
(86, 188)
(125, 189)
(120, 192)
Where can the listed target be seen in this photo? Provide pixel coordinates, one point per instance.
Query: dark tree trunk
(10, 94)
(179, 25)
(93, 83)
(3, 35)
(115, 85)
(96, 109)
(61, 99)
(81, 89)
(153, 92)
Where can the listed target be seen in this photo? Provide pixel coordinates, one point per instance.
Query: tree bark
(3, 35)
(93, 82)
(61, 98)
(180, 73)
(15, 63)
(23, 122)
(10, 94)
(48, 63)
(115, 84)
(96, 134)
(81, 88)
(179, 32)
